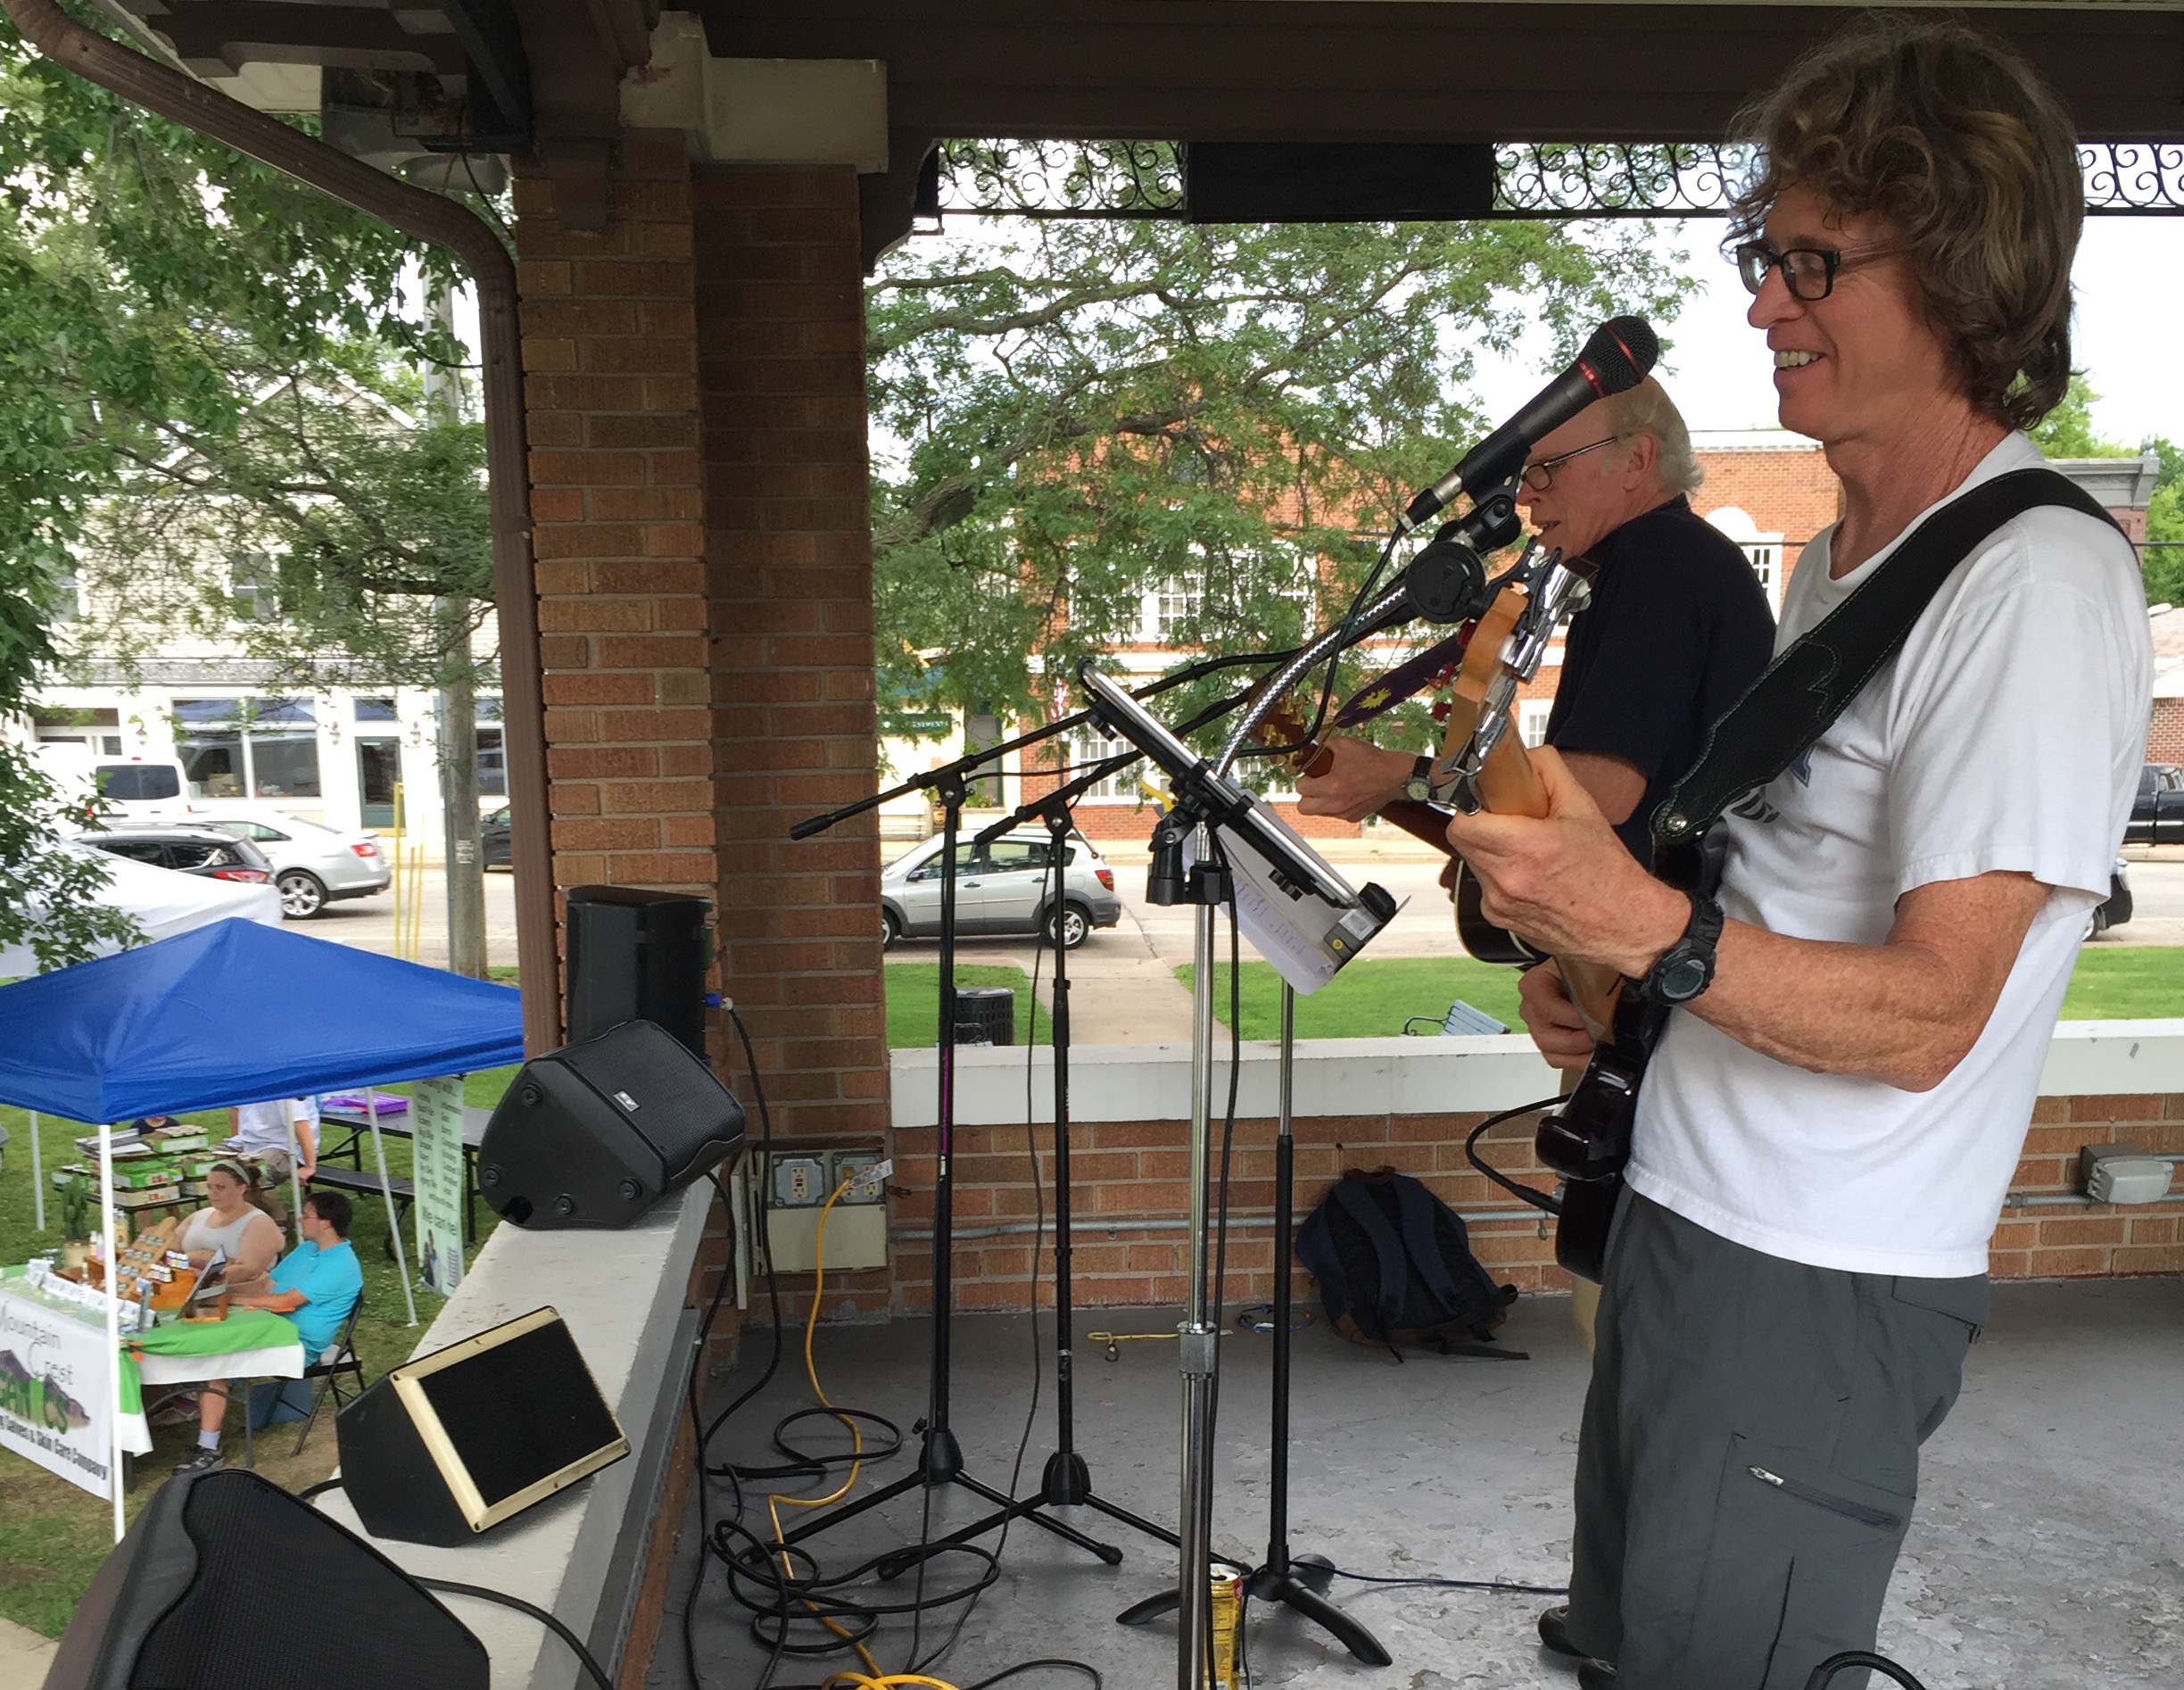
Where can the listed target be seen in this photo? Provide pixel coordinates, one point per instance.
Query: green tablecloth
(243, 1330)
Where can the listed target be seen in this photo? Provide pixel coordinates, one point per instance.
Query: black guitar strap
(1801, 694)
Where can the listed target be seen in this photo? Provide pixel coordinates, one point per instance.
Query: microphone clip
(1446, 581)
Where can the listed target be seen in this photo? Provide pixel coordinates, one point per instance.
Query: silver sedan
(312, 865)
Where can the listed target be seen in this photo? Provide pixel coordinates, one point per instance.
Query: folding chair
(328, 1374)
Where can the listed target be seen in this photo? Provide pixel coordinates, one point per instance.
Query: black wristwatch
(1418, 788)
(1686, 968)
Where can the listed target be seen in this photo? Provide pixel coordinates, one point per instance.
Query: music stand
(1306, 919)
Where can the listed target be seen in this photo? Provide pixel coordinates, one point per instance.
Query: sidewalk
(24, 1657)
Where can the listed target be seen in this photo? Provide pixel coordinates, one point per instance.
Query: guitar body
(1581, 1231)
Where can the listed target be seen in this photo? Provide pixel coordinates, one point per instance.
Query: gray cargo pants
(1750, 1457)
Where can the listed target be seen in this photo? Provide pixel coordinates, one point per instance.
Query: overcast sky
(2125, 337)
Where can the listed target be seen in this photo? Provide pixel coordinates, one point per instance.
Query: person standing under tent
(283, 1135)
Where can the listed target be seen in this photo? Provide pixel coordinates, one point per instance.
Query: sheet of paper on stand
(1306, 937)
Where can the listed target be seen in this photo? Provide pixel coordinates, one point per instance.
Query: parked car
(493, 839)
(1004, 886)
(131, 789)
(2157, 813)
(189, 850)
(2116, 909)
(312, 865)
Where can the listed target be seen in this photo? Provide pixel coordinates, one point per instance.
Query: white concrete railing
(1430, 1076)
(581, 1555)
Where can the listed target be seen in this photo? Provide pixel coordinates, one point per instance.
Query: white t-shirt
(264, 1126)
(2007, 734)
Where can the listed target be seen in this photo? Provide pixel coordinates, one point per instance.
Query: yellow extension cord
(872, 1677)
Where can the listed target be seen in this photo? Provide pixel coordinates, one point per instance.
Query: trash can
(985, 1016)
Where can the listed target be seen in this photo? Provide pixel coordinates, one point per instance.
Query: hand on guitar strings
(1360, 780)
(1552, 1020)
(1565, 883)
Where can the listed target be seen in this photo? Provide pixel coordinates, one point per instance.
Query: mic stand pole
(1067, 1482)
(940, 1459)
(1302, 1584)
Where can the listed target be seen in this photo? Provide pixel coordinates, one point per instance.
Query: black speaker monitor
(227, 1582)
(595, 1133)
(452, 1444)
(636, 956)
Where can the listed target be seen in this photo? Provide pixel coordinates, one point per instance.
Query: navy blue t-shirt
(1678, 628)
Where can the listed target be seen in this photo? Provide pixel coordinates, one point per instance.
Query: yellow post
(397, 843)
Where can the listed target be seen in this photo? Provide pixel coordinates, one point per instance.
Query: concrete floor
(2045, 1555)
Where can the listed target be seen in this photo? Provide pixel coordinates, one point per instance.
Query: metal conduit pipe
(427, 217)
(914, 1235)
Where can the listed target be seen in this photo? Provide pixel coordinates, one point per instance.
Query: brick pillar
(611, 368)
(789, 550)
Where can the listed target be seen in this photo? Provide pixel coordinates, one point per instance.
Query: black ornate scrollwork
(1061, 178)
(1611, 178)
(1532, 179)
(2133, 178)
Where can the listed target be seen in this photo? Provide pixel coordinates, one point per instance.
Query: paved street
(1127, 991)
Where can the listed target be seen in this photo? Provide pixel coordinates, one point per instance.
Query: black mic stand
(940, 1457)
(1298, 1584)
(1067, 1482)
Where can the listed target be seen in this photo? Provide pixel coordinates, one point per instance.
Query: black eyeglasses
(1537, 476)
(1808, 272)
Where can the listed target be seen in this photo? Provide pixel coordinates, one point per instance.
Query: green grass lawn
(2119, 982)
(914, 1001)
(1371, 1000)
(52, 1537)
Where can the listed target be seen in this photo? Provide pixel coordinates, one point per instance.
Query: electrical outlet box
(2122, 1173)
(797, 1182)
(856, 1238)
(867, 1172)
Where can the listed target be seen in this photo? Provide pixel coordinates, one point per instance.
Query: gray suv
(1005, 887)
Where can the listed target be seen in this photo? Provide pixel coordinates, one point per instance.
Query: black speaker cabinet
(595, 1133)
(452, 1444)
(636, 956)
(227, 1582)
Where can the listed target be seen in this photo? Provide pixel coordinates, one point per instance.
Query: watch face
(1684, 979)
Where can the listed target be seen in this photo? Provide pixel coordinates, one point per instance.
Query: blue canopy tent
(237, 1012)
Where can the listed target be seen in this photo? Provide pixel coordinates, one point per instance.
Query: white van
(137, 789)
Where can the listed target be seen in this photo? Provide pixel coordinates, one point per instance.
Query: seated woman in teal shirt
(315, 1285)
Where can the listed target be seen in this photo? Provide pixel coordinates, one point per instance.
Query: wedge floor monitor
(227, 1582)
(595, 1133)
(452, 1444)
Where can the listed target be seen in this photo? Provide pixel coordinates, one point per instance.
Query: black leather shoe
(1554, 1632)
(1595, 1674)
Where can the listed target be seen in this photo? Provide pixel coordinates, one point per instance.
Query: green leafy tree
(152, 282)
(2163, 557)
(2067, 430)
(1073, 414)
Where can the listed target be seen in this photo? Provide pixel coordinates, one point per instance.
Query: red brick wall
(1139, 1170)
(2165, 736)
(611, 396)
(1790, 493)
(788, 556)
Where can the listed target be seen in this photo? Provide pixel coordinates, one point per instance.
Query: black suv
(189, 850)
(2157, 813)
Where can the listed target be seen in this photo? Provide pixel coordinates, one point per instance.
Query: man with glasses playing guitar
(1912, 814)
(1678, 628)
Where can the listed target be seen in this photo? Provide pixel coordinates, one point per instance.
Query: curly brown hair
(1952, 140)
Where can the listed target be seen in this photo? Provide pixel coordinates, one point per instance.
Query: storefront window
(257, 747)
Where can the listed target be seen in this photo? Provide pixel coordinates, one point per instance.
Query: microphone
(1615, 360)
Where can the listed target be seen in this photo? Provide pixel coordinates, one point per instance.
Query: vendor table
(55, 1397)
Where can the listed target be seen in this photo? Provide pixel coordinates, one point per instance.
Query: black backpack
(1394, 1266)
